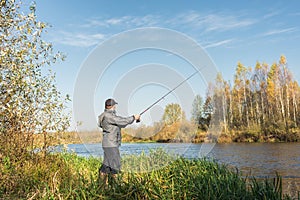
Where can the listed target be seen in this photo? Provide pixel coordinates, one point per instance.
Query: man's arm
(122, 121)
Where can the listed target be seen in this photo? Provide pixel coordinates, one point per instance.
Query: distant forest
(262, 104)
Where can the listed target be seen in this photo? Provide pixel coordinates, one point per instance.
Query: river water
(261, 160)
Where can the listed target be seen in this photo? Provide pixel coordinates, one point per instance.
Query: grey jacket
(111, 125)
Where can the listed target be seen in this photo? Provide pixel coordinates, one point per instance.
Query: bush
(247, 136)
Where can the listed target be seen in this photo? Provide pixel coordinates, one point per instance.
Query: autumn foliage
(262, 104)
(30, 101)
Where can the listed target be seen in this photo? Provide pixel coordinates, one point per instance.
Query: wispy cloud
(78, 39)
(294, 14)
(279, 31)
(271, 14)
(191, 19)
(191, 22)
(100, 22)
(219, 43)
(212, 22)
(124, 21)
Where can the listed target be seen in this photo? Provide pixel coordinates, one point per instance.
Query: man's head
(110, 104)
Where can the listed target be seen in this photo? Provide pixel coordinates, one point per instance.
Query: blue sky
(229, 31)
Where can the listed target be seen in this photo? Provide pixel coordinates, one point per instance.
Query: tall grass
(67, 176)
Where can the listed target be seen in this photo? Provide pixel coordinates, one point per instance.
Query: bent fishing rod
(149, 107)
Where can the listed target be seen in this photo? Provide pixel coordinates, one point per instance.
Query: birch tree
(197, 109)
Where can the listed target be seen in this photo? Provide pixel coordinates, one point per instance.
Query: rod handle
(138, 121)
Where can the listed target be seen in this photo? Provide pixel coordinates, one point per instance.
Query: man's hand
(137, 117)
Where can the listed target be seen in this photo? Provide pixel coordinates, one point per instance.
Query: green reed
(156, 175)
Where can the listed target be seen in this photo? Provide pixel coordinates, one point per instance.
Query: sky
(228, 32)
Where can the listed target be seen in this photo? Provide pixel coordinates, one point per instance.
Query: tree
(220, 101)
(31, 103)
(240, 93)
(258, 87)
(173, 113)
(265, 100)
(295, 95)
(197, 109)
(228, 103)
(286, 81)
(207, 113)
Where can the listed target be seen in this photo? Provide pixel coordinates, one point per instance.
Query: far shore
(95, 137)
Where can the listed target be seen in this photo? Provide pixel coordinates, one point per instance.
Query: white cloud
(271, 14)
(219, 43)
(115, 21)
(78, 39)
(191, 22)
(295, 14)
(212, 22)
(191, 19)
(279, 31)
(125, 21)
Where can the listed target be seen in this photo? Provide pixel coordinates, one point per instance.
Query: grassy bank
(187, 132)
(177, 132)
(67, 176)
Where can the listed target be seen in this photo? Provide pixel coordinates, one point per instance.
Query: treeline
(262, 104)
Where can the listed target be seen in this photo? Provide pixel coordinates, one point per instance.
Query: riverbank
(260, 160)
(199, 137)
(67, 176)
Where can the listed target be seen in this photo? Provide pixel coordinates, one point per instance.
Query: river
(260, 160)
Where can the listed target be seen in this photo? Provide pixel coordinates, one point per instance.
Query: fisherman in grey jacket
(111, 125)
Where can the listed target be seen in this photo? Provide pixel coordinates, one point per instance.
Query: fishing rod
(149, 107)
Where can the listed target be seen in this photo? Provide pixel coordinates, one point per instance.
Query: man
(111, 125)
